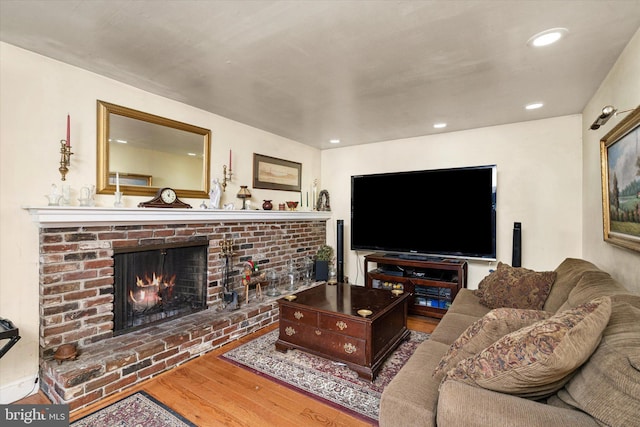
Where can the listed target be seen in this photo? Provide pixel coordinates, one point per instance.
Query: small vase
(267, 206)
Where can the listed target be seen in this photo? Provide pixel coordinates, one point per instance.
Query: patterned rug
(139, 409)
(331, 382)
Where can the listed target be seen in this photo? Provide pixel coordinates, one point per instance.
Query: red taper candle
(68, 131)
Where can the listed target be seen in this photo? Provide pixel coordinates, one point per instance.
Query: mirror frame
(105, 109)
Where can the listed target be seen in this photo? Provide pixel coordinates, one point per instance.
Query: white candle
(117, 182)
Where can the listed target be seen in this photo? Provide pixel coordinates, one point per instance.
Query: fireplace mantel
(70, 216)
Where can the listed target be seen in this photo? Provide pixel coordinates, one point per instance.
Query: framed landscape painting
(276, 174)
(620, 161)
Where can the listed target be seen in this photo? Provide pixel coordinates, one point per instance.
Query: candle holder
(226, 177)
(65, 158)
(118, 202)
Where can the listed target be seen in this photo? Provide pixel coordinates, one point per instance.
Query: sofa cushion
(515, 287)
(537, 360)
(485, 331)
(462, 405)
(490, 280)
(411, 397)
(592, 284)
(466, 302)
(608, 385)
(451, 326)
(568, 273)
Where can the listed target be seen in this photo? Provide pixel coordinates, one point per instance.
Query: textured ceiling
(361, 71)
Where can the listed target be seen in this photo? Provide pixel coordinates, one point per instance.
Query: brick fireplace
(77, 248)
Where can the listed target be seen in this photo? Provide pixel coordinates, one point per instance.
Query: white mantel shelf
(73, 216)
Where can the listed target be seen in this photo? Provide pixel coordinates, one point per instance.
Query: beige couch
(605, 390)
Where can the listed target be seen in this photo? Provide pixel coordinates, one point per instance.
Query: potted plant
(323, 258)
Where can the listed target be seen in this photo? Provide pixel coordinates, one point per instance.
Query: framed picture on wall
(620, 162)
(276, 174)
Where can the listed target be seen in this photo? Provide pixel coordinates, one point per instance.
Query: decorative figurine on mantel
(214, 194)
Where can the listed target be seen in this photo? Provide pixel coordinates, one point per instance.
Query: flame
(148, 291)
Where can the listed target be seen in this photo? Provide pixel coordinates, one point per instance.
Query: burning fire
(150, 291)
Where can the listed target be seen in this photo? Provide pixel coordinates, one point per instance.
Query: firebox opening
(155, 283)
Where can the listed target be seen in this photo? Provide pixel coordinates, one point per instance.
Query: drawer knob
(350, 348)
(341, 325)
(298, 315)
(289, 331)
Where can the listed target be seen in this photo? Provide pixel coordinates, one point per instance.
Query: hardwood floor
(211, 392)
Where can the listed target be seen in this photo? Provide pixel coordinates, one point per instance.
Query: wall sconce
(65, 158)
(244, 194)
(226, 177)
(65, 152)
(603, 118)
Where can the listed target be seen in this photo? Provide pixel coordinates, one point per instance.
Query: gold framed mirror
(149, 152)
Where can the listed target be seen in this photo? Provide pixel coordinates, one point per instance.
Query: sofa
(591, 376)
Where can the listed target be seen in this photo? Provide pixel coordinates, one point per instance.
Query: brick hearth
(76, 301)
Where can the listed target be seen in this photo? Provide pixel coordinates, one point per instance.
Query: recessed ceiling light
(534, 106)
(547, 37)
(440, 125)
(334, 141)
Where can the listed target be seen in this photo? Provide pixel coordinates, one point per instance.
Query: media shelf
(433, 282)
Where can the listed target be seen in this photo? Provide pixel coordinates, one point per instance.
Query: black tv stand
(433, 281)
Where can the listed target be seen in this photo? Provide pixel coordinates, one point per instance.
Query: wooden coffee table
(324, 321)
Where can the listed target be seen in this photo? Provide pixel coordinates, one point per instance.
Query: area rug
(331, 382)
(139, 409)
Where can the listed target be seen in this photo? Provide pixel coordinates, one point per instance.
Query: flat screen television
(427, 213)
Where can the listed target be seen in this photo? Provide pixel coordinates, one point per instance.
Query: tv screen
(440, 213)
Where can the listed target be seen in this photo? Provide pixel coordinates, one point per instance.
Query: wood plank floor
(211, 392)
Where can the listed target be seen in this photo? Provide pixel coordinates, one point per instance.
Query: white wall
(539, 185)
(37, 93)
(621, 88)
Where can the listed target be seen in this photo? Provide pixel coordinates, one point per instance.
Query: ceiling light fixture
(533, 106)
(440, 125)
(334, 141)
(547, 37)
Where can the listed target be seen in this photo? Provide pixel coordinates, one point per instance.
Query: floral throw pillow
(516, 287)
(485, 331)
(537, 360)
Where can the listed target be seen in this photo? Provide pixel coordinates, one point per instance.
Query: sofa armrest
(460, 404)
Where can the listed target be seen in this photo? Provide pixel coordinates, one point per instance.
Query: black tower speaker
(340, 251)
(516, 255)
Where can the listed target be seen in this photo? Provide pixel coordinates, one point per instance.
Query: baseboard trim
(18, 390)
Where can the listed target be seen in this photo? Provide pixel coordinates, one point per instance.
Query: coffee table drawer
(343, 326)
(302, 335)
(299, 315)
(344, 348)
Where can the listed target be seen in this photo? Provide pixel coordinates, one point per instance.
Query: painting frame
(271, 173)
(621, 209)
